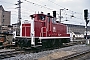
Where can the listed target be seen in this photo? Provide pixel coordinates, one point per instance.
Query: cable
(44, 6)
(63, 7)
(39, 5)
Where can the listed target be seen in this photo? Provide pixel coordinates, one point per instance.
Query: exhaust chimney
(54, 14)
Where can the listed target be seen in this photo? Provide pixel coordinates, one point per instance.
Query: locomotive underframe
(41, 42)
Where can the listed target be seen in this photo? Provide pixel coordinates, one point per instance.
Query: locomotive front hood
(27, 25)
(27, 29)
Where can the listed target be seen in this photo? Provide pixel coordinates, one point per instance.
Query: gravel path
(34, 56)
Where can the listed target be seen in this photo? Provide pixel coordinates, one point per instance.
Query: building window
(3, 20)
(3, 15)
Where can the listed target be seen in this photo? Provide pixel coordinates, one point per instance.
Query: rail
(73, 55)
(9, 53)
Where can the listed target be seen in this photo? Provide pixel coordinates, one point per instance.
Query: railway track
(75, 42)
(74, 56)
(13, 53)
(68, 53)
(9, 53)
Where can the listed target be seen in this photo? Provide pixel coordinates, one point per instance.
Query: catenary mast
(19, 17)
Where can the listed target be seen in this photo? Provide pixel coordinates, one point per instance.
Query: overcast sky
(75, 8)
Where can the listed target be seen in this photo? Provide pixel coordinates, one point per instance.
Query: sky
(29, 7)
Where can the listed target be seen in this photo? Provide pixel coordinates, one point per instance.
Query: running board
(36, 46)
(52, 37)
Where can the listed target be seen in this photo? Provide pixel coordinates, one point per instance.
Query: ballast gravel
(39, 55)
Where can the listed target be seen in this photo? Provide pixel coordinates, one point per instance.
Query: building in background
(5, 19)
(77, 31)
(5, 16)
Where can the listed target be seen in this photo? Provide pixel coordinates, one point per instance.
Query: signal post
(87, 21)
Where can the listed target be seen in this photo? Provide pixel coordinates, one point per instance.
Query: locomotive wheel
(51, 43)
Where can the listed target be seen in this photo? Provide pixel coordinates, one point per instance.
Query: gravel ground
(33, 56)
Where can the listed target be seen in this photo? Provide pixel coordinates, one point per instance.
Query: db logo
(54, 29)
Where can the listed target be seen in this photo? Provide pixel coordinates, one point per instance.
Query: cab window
(42, 17)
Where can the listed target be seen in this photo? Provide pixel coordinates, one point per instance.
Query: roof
(1, 7)
(72, 25)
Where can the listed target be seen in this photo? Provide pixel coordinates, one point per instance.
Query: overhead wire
(9, 3)
(12, 8)
(72, 12)
(39, 5)
(52, 9)
(45, 6)
(63, 7)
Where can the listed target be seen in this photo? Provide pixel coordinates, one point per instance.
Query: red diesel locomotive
(42, 31)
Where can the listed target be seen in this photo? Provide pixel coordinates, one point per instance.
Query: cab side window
(42, 17)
